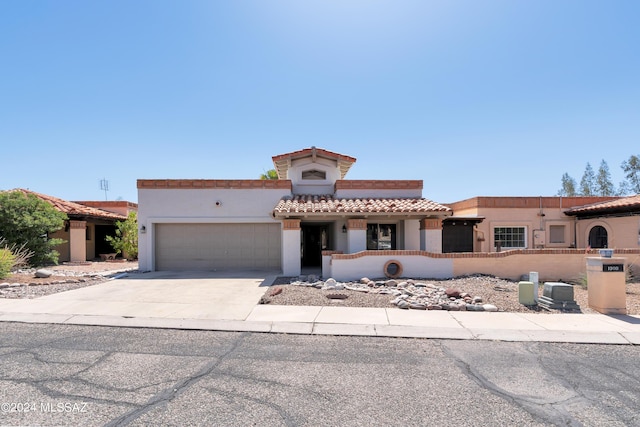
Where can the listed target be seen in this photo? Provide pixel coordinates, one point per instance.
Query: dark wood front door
(315, 239)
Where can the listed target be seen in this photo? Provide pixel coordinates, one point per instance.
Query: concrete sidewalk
(231, 304)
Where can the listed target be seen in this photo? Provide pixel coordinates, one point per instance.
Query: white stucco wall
(199, 206)
(372, 266)
(431, 240)
(291, 252)
(411, 234)
(356, 241)
(325, 186)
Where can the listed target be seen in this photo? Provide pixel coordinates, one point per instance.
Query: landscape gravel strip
(492, 290)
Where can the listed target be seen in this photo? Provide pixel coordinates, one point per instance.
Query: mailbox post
(606, 288)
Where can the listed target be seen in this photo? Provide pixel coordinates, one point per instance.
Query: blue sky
(489, 98)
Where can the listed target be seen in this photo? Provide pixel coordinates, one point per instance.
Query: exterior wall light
(143, 229)
(344, 228)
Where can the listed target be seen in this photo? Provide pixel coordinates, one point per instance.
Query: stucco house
(87, 226)
(283, 224)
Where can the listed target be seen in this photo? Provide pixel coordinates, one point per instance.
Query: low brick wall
(551, 264)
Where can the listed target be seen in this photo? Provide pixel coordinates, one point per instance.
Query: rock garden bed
(471, 293)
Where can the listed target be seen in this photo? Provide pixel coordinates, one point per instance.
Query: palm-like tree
(270, 174)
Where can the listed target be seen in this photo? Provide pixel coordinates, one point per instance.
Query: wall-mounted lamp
(218, 203)
(344, 228)
(143, 229)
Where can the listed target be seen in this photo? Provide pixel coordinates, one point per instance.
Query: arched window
(598, 237)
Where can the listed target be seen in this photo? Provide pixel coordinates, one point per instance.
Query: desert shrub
(21, 254)
(26, 222)
(6, 262)
(126, 239)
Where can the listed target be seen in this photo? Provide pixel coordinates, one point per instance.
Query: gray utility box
(559, 296)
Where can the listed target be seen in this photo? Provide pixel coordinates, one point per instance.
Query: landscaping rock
(452, 292)
(330, 282)
(403, 304)
(43, 273)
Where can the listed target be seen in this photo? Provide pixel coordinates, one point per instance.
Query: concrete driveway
(221, 295)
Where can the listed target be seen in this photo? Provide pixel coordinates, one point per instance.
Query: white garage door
(217, 246)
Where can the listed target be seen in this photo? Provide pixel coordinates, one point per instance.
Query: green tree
(26, 221)
(126, 239)
(604, 185)
(270, 174)
(588, 182)
(568, 186)
(631, 168)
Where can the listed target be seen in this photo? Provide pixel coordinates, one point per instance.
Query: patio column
(356, 235)
(431, 235)
(291, 247)
(77, 241)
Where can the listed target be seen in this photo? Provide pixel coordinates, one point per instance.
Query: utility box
(525, 293)
(533, 278)
(558, 296)
(539, 238)
(606, 287)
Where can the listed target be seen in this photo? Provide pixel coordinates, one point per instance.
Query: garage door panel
(217, 246)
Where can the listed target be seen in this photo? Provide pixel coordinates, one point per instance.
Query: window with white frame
(556, 233)
(510, 237)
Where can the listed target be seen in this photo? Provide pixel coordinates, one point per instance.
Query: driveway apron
(173, 295)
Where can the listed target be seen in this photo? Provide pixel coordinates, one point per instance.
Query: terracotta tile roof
(623, 205)
(313, 204)
(74, 209)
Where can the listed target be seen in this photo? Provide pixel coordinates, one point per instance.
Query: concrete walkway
(227, 302)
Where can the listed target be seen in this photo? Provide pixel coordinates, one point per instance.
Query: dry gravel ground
(499, 292)
(66, 277)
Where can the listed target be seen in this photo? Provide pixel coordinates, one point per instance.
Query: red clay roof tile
(314, 204)
(73, 209)
(625, 204)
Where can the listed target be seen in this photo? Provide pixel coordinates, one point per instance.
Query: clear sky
(476, 98)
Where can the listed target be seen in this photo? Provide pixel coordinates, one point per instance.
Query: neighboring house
(520, 222)
(313, 217)
(610, 224)
(87, 226)
(283, 224)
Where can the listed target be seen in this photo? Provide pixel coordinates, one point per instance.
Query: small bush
(7, 260)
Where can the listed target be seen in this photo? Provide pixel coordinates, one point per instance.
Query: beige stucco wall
(550, 266)
(564, 265)
(622, 232)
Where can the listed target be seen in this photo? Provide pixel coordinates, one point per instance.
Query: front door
(315, 239)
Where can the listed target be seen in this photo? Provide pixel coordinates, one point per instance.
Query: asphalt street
(67, 375)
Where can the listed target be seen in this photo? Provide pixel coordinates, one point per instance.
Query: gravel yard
(66, 277)
(499, 292)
